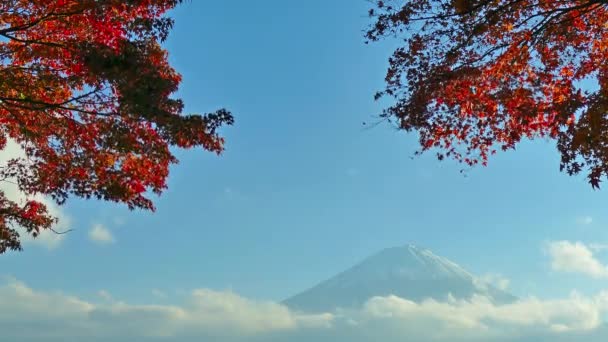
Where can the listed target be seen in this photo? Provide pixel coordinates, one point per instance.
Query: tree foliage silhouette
(476, 76)
(86, 92)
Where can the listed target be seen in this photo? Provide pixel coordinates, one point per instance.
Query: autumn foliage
(477, 76)
(86, 91)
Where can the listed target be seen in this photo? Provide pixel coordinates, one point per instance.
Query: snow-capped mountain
(409, 272)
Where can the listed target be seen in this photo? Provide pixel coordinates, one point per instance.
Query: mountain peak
(414, 262)
(412, 246)
(408, 271)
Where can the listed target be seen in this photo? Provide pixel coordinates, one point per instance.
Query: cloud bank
(28, 315)
(54, 315)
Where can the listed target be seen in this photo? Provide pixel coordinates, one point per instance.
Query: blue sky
(303, 190)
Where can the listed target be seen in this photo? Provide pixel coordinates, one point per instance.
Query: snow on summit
(409, 272)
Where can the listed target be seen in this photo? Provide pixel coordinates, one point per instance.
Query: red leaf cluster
(86, 92)
(481, 75)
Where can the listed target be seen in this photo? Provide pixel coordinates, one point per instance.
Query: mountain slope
(409, 272)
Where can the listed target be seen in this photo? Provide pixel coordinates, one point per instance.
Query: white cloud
(100, 234)
(119, 221)
(205, 312)
(227, 311)
(47, 238)
(478, 317)
(159, 294)
(585, 220)
(232, 194)
(220, 315)
(105, 295)
(575, 257)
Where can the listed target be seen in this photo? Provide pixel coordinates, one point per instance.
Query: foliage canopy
(477, 76)
(86, 92)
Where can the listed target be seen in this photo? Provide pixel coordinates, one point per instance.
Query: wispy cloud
(159, 294)
(105, 295)
(497, 280)
(598, 247)
(585, 220)
(119, 221)
(575, 257)
(232, 194)
(100, 234)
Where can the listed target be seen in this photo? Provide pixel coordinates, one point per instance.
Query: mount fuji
(409, 272)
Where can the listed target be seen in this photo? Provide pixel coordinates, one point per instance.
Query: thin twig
(60, 233)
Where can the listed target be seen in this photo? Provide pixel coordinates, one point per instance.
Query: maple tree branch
(41, 19)
(27, 41)
(60, 233)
